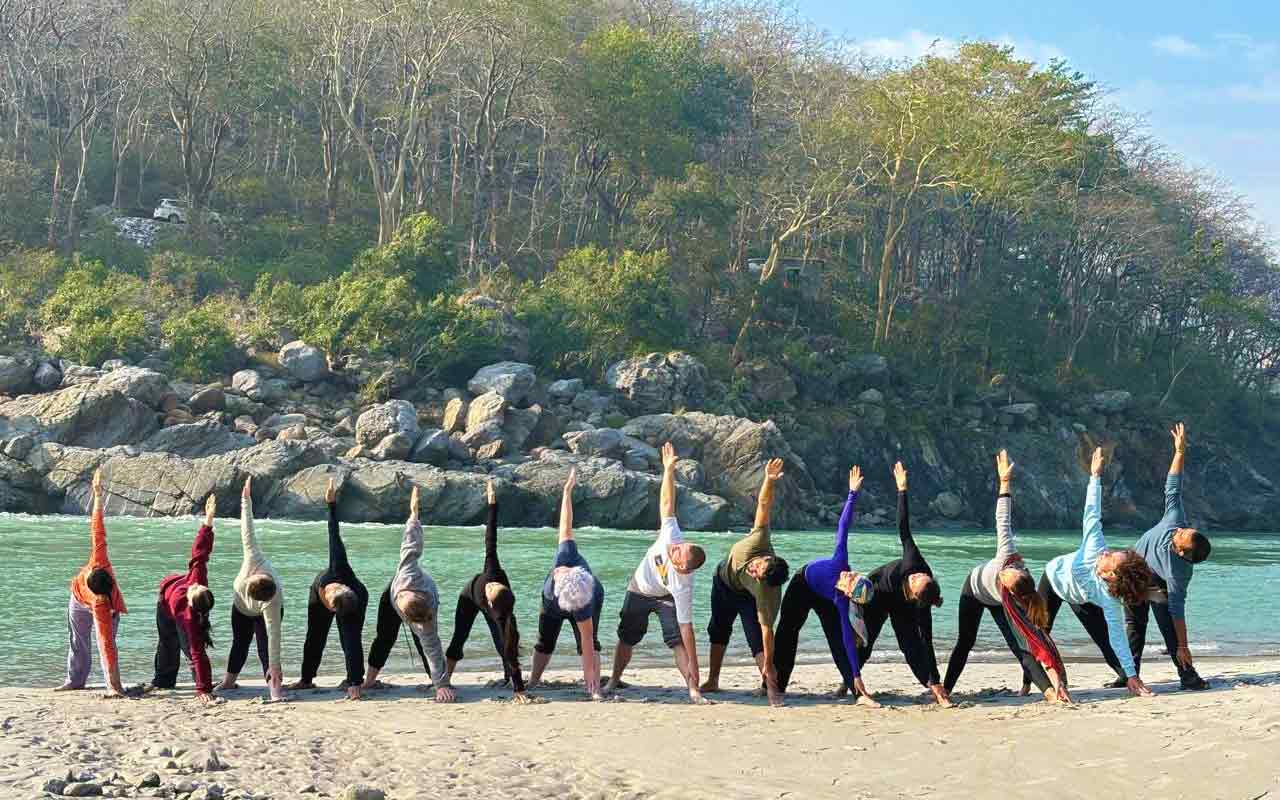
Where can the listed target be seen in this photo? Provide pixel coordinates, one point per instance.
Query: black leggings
(1135, 623)
(798, 601)
(464, 618)
(244, 629)
(970, 619)
(388, 629)
(171, 645)
(1091, 619)
(916, 646)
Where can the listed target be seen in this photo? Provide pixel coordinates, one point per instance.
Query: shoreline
(649, 742)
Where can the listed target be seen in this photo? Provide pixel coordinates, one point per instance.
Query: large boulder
(455, 415)
(304, 362)
(379, 492)
(48, 376)
(659, 382)
(519, 425)
(21, 488)
(144, 385)
(511, 380)
(948, 504)
(486, 410)
(196, 440)
(607, 494)
(380, 421)
(393, 447)
(15, 375)
(1112, 401)
(604, 442)
(733, 452)
(249, 382)
(210, 398)
(432, 447)
(565, 390)
(769, 381)
(82, 415)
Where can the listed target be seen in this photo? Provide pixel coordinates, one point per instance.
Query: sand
(649, 742)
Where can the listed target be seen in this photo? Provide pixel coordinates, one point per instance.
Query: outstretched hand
(247, 490)
(773, 470)
(1179, 434)
(1099, 460)
(571, 481)
(1004, 467)
(331, 492)
(669, 457)
(210, 509)
(855, 478)
(490, 495)
(97, 483)
(413, 503)
(900, 476)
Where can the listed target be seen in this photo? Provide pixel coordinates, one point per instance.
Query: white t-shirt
(655, 577)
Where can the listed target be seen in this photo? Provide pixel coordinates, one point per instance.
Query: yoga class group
(1111, 591)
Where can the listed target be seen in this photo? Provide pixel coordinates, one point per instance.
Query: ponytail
(1024, 592)
(511, 641)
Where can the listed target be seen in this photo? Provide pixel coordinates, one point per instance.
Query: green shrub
(27, 277)
(200, 342)
(96, 314)
(360, 311)
(455, 339)
(594, 308)
(275, 305)
(420, 251)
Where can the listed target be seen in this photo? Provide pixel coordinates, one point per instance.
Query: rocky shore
(293, 420)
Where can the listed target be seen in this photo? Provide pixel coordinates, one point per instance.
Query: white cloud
(1031, 50)
(1263, 92)
(1177, 46)
(910, 46)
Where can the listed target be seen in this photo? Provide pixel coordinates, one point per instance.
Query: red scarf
(1039, 642)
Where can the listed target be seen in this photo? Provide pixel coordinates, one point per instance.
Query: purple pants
(79, 649)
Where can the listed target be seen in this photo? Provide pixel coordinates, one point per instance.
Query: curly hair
(573, 589)
(1130, 579)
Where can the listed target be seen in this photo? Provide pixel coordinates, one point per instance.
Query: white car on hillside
(179, 211)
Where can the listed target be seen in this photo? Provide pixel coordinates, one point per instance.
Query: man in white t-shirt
(663, 585)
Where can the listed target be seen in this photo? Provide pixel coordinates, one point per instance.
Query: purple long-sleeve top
(822, 574)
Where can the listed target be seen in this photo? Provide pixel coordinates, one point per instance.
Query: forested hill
(437, 185)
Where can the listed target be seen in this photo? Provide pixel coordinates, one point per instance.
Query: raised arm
(491, 563)
(764, 506)
(1005, 544)
(910, 552)
(1173, 510)
(97, 526)
(1093, 540)
(202, 547)
(841, 552)
(566, 506)
(667, 495)
(338, 563)
(411, 543)
(247, 539)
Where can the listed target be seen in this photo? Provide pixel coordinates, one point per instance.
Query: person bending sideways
(905, 594)
(1171, 549)
(570, 592)
(337, 594)
(1094, 581)
(94, 609)
(182, 616)
(1004, 587)
(663, 585)
(831, 589)
(411, 598)
(748, 585)
(489, 594)
(257, 607)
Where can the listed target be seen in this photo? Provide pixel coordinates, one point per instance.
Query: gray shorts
(634, 618)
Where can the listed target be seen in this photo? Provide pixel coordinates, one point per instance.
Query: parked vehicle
(179, 211)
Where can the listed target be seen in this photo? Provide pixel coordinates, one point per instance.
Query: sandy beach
(648, 742)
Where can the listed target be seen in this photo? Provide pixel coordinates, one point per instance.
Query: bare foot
(228, 684)
(613, 686)
(759, 691)
(296, 685)
(866, 700)
(709, 686)
(1025, 690)
(68, 687)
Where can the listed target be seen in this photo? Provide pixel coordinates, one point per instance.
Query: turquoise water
(1231, 609)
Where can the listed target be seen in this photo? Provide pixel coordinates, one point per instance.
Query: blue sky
(1204, 75)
